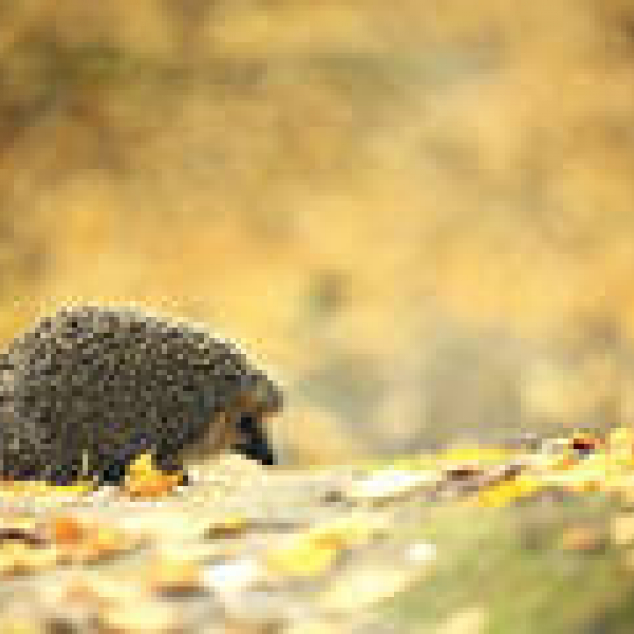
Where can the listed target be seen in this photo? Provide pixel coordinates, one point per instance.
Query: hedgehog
(88, 389)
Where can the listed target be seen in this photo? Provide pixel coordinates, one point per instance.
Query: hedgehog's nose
(252, 441)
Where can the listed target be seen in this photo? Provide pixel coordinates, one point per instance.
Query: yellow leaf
(301, 559)
(145, 480)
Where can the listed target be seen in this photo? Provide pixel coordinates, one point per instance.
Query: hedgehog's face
(239, 403)
(259, 395)
(259, 399)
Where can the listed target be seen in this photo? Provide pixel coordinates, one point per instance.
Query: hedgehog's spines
(107, 382)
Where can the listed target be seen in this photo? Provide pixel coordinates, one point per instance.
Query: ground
(481, 540)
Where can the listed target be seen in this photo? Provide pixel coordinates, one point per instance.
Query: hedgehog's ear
(268, 396)
(259, 395)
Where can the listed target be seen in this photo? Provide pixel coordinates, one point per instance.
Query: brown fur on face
(220, 435)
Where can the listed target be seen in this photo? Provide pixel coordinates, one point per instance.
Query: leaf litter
(241, 531)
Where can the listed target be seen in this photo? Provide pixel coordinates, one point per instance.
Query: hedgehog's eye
(252, 440)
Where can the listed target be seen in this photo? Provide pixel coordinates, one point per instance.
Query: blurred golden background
(421, 214)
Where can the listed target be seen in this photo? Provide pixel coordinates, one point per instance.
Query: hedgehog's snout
(260, 400)
(253, 441)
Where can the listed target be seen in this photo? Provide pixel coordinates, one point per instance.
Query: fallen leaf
(301, 559)
(230, 526)
(66, 530)
(583, 539)
(145, 480)
(18, 558)
(26, 529)
(585, 443)
(463, 472)
(90, 542)
(173, 576)
(315, 551)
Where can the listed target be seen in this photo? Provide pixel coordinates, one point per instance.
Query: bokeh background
(420, 214)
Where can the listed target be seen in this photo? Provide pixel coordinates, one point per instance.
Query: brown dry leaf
(585, 442)
(145, 480)
(229, 526)
(622, 530)
(460, 472)
(27, 529)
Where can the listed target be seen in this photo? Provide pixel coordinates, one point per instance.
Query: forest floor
(475, 540)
